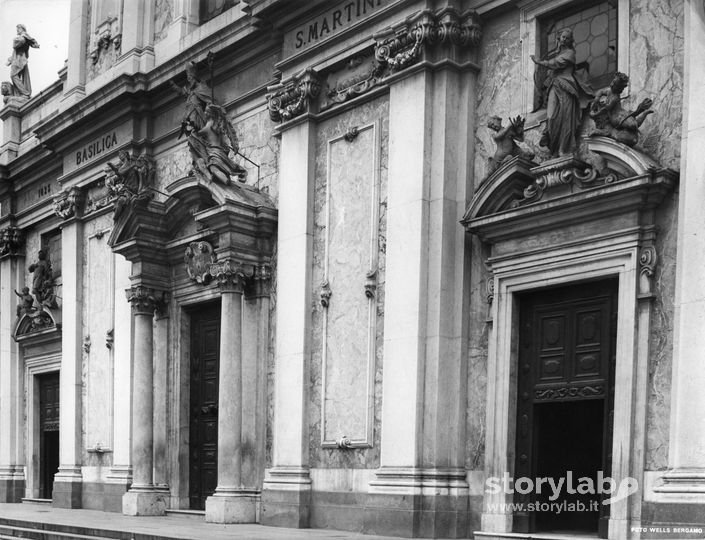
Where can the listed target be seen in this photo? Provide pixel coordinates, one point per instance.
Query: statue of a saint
(567, 95)
(505, 138)
(611, 119)
(127, 181)
(198, 96)
(210, 147)
(19, 72)
(43, 281)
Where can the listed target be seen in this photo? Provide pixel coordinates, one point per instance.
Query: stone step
(196, 515)
(479, 535)
(34, 533)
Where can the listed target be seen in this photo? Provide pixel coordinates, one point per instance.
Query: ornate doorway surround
(560, 223)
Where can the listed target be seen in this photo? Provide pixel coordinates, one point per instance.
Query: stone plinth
(235, 506)
(144, 502)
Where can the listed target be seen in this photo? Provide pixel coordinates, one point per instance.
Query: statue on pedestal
(19, 71)
(43, 281)
(611, 119)
(127, 181)
(566, 95)
(505, 138)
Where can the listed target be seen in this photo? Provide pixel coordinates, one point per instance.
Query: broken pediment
(607, 177)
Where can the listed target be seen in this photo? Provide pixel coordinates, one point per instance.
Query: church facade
(418, 268)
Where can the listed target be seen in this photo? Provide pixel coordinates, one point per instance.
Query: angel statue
(210, 148)
(506, 139)
(128, 181)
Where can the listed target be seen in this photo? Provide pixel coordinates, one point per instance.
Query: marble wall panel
(163, 16)
(352, 201)
(368, 113)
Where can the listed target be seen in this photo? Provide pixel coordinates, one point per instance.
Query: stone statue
(127, 181)
(27, 302)
(505, 138)
(43, 281)
(19, 72)
(611, 119)
(198, 96)
(567, 94)
(210, 148)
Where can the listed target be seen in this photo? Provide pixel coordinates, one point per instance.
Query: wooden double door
(203, 404)
(565, 405)
(48, 433)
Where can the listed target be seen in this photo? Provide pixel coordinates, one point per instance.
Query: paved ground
(172, 527)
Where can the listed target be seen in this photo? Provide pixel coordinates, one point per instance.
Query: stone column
(286, 494)
(120, 476)
(12, 479)
(685, 479)
(68, 481)
(230, 503)
(420, 487)
(143, 499)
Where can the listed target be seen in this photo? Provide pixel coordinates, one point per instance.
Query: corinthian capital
(293, 96)
(11, 242)
(145, 300)
(230, 275)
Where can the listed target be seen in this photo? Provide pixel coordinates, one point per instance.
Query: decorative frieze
(66, 204)
(569, 392)
(145, 300)
(401, 46)
(293, 97)
(11, 242)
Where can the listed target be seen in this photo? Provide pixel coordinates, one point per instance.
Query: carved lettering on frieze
(11, 242)
(293, 97)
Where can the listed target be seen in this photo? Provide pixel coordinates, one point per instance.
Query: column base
(12, 486)
(68, 489)
(418, 503)
(286, 498)
(144, 501)
(119, 482)
(232, 506)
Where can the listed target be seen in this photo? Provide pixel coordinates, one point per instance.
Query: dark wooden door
(48, 433)
(203, 429)
(565, 402)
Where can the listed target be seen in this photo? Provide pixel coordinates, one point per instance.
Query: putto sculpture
(210, 135)
(506, 139)
(19, 72)
(611, 119)
(567, 94)
(128, 181)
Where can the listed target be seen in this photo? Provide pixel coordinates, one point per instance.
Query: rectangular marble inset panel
(352, 200)
(98, 356)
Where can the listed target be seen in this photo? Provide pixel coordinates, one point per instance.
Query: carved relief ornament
(230, 275)
(66, 203)
(11, 242)
(647, 267)
(400, 47)
(198, 258)
(145, 300)
(293, 97)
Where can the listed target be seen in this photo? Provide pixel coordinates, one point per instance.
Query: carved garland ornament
(293, 97)
(11, 241)
(447, 27)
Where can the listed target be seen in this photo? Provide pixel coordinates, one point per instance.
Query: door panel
(565, 399)
(203, 428)
(48, 433)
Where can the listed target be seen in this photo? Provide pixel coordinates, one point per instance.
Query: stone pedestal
(144, 502)
(234, 506)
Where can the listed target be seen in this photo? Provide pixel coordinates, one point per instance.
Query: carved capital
(11, 242)
(401, 47)
(145, 300)
(647, 267)
(230, 275)
(261, 281)
(293, 97)
(67, 202)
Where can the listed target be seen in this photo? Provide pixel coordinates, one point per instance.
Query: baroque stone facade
(322, 285)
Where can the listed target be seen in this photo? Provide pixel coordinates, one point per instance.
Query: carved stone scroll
(293, 96)
(66, 203)
(647, 267)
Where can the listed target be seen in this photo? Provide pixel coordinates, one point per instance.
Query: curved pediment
(37, 322)
(620, 158)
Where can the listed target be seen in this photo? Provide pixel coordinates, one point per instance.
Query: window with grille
(595, 34)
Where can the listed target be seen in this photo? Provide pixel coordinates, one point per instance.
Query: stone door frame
(597, 258)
